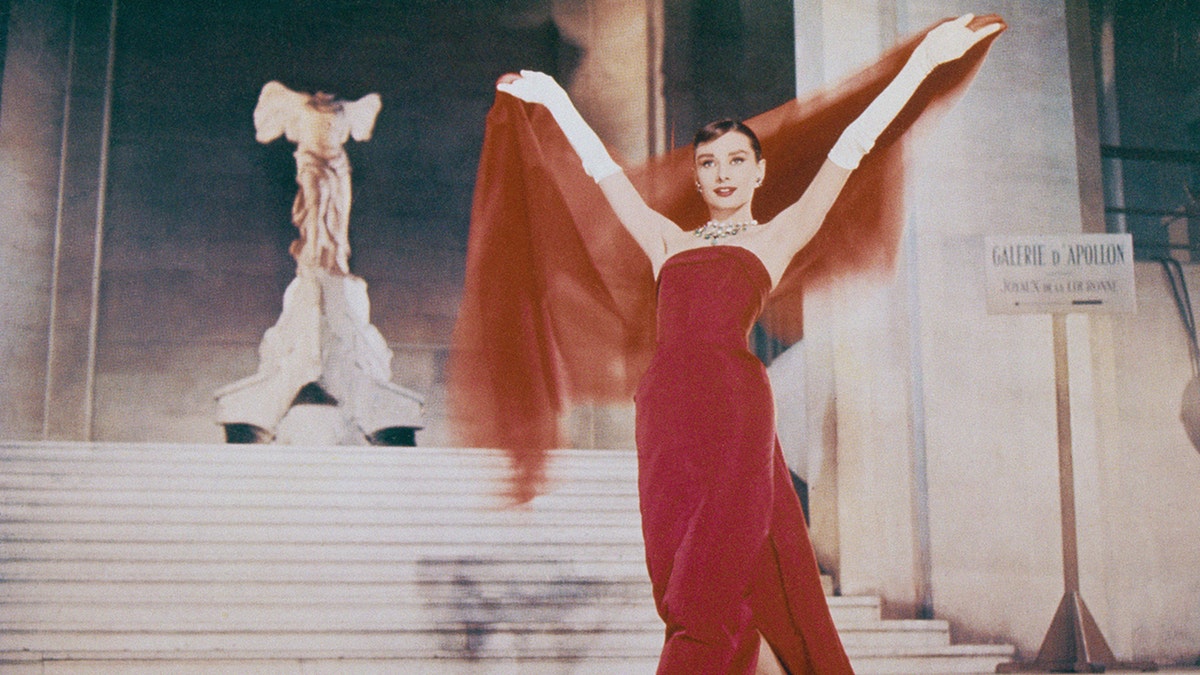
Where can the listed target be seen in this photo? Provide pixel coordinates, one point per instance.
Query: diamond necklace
(715, 229)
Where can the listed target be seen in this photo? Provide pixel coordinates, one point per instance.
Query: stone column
(617, 88)
(865, 502)
(53, 140)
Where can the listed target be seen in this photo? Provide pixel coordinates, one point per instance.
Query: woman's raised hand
(535, 87)
(947, 42)
(950, 41)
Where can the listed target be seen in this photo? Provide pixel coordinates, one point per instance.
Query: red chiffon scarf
(558, 301)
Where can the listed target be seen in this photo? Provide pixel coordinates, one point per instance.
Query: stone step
(426, 629)
(239, 452)
(484, 493)
(268, 479)
(28, 601)
(949, 660)
(33, 517)
(333, 533)
(46, 458)
(156, 495)
(181, 561)
(334, 664)
(895, 634)
(426, 480)
(304, 594)
(541, 610)
(579, 653)
(518, 561)
(469, 639)
(180, 626)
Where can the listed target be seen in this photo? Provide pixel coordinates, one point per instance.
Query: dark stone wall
(725, 59)
(196, 214)
(199, 213)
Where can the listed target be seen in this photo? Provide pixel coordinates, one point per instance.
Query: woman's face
(727, 175)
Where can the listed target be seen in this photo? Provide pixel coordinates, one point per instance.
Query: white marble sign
(1059, 274)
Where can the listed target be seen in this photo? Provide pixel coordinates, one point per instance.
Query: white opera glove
(947, 42)
(540, 88)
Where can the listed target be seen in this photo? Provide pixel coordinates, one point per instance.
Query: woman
(726, 546)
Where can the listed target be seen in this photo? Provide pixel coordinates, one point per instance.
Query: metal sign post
(1060, 275)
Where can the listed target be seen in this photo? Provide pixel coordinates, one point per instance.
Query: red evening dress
(726, 545)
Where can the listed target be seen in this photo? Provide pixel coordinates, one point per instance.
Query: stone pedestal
(324, 374)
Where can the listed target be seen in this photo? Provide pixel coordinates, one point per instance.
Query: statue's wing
(361, 115)
(278, 107)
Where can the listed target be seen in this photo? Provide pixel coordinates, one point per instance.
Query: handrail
(1189, 209)
(1150, 154)
(1177, 212)
(1183, 303)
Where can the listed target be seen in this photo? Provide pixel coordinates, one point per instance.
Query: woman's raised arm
(646, 225)
(796, 225)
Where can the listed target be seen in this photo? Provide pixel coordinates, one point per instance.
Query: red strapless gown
(726, 544)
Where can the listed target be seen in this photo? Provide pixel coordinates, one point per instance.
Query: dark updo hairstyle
(715, 130)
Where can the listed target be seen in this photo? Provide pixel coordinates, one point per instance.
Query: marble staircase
(121, 558)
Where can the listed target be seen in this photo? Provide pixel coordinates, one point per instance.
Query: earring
(758, 181)
(698, 188)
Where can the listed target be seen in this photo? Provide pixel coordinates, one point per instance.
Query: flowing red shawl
(558, 300)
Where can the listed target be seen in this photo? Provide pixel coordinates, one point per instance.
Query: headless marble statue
(324, 370)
